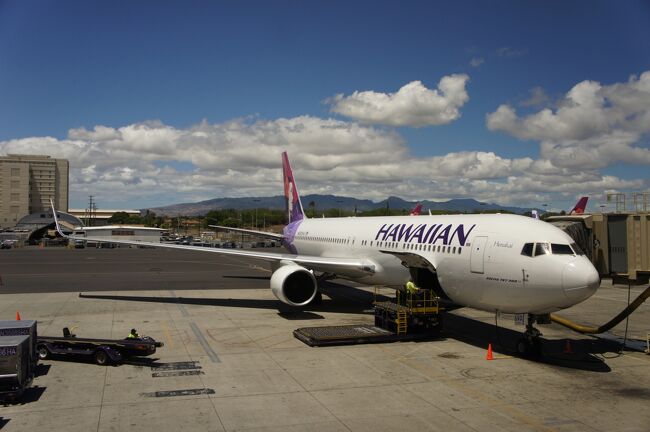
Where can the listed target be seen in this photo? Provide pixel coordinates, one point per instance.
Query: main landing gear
(530, 344)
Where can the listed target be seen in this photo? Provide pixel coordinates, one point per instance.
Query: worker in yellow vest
(411, 288)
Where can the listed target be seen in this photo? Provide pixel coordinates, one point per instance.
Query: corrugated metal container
(20, 328)
(14, 364)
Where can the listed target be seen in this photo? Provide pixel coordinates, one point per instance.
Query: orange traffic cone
(567, 347)
(17, 316)
(489, 353)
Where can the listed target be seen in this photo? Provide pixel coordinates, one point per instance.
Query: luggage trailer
(102, 351)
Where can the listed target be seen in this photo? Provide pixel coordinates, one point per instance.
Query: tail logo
(294, 207)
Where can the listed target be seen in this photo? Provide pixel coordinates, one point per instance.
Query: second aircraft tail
(580, 206)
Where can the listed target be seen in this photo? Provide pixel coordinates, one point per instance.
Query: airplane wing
(264, 234)
(352, 267)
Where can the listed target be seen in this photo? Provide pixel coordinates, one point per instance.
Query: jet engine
(294, 285)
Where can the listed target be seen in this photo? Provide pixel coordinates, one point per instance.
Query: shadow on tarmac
(586, 354)
(354, 300)
(583, 354)
(42, 369)
(31, 394)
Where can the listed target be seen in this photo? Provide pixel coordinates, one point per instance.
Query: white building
(122, 232)
(99, 217)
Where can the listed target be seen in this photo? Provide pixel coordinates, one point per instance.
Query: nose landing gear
(530, 344)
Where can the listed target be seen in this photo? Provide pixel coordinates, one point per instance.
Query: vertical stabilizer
(580, 206)
(292, 199)
(417, 210)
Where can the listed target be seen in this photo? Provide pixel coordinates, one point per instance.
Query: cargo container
(15, 375)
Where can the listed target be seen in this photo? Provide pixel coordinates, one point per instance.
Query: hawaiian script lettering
(424, 233)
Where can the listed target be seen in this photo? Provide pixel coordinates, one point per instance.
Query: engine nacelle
(294, 285)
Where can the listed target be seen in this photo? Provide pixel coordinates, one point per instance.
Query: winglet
(294, 206)
(56, 220)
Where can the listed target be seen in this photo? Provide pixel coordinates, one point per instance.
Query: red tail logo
(580, 206)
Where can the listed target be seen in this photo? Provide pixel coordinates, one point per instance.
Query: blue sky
(80, 64)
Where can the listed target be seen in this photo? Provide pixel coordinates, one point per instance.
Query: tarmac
(230, 361)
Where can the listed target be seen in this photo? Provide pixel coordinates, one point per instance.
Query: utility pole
(89, 210)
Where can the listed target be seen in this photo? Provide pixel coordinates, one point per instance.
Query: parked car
(7, 244)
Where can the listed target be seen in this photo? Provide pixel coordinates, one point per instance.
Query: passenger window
(542, 249)
(527, 249)
(561, 249)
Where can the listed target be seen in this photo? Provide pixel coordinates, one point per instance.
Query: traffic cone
(567, 347)
(17, 316)
(489, 353)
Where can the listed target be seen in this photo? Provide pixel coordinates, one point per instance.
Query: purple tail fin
(294, 206)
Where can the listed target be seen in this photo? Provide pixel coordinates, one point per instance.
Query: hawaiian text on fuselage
(424, 233)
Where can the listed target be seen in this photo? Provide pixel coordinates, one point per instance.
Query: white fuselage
(478, 259)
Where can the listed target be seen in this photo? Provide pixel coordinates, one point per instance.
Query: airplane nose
(579, 280)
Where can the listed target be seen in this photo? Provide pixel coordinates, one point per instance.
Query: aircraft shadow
(584, 354)
(352, 300)
(247, 277)
(342, 299)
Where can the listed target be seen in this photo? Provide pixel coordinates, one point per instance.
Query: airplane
(577, 209)
(490, 262)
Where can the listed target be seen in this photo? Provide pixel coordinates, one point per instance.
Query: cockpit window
(577, 249)
(528, 249)
(542, 249)
(561, 249)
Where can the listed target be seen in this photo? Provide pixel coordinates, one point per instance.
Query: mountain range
(323, 202)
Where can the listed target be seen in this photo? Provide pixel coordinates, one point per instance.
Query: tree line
(260, 218)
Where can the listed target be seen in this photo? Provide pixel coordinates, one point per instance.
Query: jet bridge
(618, 244)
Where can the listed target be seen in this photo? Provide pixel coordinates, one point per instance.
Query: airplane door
(476, 257)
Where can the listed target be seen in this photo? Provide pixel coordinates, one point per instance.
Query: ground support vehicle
(102, 351)
(407, 317)
(16, 373)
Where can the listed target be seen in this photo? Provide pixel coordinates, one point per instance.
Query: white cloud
(510, 52)
(151, 164)
(537, 98)
(476, 61)
(412, 105)
(594, 126)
